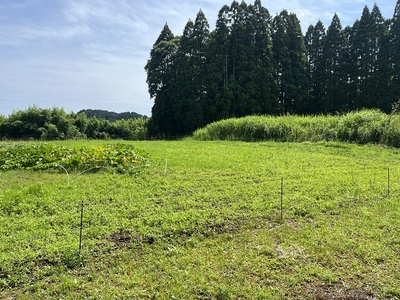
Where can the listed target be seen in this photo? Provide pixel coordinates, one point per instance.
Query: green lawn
(204, 222)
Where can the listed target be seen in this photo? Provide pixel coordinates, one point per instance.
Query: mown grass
(362, 127)
(204, 223)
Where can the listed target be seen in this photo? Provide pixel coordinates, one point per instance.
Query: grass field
(204, 222)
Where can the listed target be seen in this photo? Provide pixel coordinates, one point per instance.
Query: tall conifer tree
(290, 63)
(160, 70)
(264, 84)
(218, 100)
(297, 53)
(377, 39)
(394, 55)
(315, 38)
(200, 43)
(365, 46)
(382, 75)
(336, 79)
(280, 49)
(185, 79)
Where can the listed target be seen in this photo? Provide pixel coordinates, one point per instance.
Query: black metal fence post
(81, 230)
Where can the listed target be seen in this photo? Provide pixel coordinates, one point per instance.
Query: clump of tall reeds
(362, 127)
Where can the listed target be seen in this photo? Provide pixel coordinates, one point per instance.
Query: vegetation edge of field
(362, 127)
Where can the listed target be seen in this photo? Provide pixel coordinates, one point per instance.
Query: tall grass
(362, 127)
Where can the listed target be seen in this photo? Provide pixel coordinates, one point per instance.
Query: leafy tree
(131, 129)
(64, 123)
(81, 122)
(29, 123)
(98, 129)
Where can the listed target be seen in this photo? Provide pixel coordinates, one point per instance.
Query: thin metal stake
(281, 199)
(388, 183)
(81, 230)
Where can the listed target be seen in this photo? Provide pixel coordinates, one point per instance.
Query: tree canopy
(253, 64)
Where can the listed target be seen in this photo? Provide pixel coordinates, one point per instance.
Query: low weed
(118, 157)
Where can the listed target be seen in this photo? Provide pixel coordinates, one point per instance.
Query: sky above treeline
(90, 54)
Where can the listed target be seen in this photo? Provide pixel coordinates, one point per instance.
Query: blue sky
(90, 54)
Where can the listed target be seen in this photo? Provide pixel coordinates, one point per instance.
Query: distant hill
(110, 115)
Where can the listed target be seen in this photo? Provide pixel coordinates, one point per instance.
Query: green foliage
(314, 42)
(258, 65)
(161, 79)
(109, 115)
(206, 225)
(290, 63)
(56, 124)
(120, 158)
(203, 76)
(363, 127)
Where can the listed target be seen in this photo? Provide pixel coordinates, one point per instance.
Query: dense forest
(256, 64)
(110, 115)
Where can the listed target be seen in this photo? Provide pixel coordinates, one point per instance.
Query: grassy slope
(208, 227)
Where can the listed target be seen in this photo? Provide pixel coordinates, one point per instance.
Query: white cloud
(91, 53)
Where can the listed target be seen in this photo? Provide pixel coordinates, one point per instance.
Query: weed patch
(119, 158)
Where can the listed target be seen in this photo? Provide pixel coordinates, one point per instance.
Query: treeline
(110, 115)
(56, 124)
(253, 63)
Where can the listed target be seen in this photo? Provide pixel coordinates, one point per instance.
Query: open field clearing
(204, 221)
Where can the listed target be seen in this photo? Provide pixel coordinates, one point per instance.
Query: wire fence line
(280, 196)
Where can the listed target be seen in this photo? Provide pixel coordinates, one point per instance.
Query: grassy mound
(363, 127)
(118, 157)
